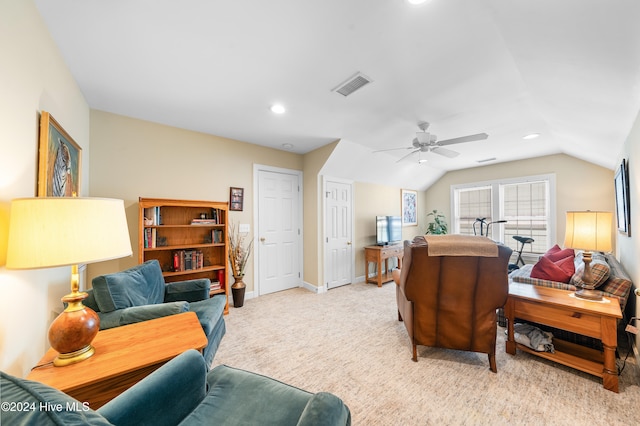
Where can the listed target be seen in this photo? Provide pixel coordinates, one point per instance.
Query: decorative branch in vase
(239, 252)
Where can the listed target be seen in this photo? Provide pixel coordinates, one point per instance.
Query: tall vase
(237, 290)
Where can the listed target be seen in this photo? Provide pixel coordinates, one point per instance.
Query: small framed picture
(59, 160)
(409, 208)
(236, 199)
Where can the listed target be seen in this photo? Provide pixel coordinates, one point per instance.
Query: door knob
(262, 239)
(348, 243)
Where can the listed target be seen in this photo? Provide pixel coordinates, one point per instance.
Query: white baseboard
(247, 295)
(313, 288)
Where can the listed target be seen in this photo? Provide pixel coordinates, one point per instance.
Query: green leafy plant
(438, 224)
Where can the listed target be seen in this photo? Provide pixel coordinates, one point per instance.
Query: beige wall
(579, 185)
(313, 226)
(135, 158)
(378, 200)
(629, 246)
(33, 78)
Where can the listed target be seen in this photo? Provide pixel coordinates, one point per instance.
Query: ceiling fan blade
(393, 149)
(470, 138)
(444, 151)
(409, 154)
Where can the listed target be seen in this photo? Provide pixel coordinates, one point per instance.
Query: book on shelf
(187, 260)
(150, 237)
(215, 285)
(152, 216)
(203, 222)
(217, 236)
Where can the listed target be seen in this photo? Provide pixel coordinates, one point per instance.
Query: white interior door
(279, 231)
(338, 233)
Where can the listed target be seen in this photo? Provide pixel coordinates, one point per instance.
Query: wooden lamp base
(72, 332)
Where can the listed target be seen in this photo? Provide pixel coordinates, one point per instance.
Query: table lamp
(588, 231)
(48, 232)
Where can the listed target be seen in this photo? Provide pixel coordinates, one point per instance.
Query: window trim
(496, 202)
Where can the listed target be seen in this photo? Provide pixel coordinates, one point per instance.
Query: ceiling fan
(427, 142)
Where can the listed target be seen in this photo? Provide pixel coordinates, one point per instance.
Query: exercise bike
(484, 225)
(522, 240)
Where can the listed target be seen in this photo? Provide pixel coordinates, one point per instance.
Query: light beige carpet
(348, 342)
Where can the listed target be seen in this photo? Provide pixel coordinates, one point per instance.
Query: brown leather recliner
(449, 299)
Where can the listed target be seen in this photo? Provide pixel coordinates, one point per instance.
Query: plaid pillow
(523, 275)
(599, 271)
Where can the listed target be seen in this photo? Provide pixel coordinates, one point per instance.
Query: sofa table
(379, 255)
(124, 355)
(560, 309)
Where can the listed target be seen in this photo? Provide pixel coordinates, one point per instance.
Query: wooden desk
(124, 355)
(557, 308)
(378, 255)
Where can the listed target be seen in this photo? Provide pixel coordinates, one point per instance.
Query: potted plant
(438, 225)
(239, 252)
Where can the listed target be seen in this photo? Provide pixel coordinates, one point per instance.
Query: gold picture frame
(59, 160)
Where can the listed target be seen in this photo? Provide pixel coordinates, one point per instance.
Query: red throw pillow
(555, 253)
(560, 271)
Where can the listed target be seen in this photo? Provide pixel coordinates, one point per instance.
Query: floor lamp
(49, 232)
(588, 231)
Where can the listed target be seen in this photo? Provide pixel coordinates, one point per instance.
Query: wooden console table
(378, 255)
(124, 355)
(557, 308)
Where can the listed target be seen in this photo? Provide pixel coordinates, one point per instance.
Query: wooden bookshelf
(188, 238)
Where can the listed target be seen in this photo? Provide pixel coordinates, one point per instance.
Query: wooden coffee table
(124, 355)
(557, 308)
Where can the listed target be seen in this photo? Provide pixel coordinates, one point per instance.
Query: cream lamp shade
(48, 232)
(588, 230)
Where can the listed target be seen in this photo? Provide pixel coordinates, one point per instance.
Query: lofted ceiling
(568, 70)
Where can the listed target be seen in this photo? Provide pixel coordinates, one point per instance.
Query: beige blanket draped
(461, 245)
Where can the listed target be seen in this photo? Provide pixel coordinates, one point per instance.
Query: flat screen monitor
(388, 230)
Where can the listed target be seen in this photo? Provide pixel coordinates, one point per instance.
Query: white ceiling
(569, 70)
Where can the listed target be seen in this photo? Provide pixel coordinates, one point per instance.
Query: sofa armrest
(165, 397)
(190, 290)
(140, 313)
(325, 409)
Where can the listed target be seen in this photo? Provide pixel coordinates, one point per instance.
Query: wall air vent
(352, 84)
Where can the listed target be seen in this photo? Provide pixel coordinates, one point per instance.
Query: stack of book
(215, 285)
(203, 222)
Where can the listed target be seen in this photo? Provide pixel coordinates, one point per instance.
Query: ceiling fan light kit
(427, 142)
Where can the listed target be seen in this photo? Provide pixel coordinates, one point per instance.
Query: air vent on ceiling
(486, 160)
(352, 84)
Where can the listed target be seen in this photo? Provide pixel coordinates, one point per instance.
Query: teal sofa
(140, 294)
(180, 392)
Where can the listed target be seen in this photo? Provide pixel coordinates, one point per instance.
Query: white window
(526, 204)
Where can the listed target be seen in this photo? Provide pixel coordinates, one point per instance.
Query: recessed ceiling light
(416, 1)
(287, 146)
(277, 109)
(531, 136)
(422, 161)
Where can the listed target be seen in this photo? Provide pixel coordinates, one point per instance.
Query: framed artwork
(59, 160)
(236, 199)
(621, 182)
(409, 208)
